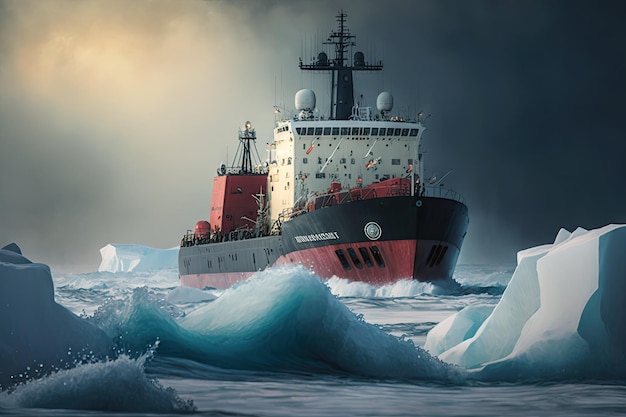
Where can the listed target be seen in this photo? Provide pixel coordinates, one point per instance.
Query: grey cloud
(114, 115)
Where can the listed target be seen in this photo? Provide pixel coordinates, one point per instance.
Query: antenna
(247, 140)
(342, 86)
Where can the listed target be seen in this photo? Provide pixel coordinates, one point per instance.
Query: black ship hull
(378, 241)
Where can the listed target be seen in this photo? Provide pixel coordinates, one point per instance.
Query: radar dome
(384, 101)
(305, 100)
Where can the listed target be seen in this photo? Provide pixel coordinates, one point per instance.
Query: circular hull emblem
(373, 231)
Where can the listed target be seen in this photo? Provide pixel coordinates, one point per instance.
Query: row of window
(394, 161)
(363, 259)
(356, 131)
(334, 176)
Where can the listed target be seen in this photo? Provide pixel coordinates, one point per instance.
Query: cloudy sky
(114, 114)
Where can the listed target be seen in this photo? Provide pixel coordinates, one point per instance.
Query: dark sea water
(285, 344)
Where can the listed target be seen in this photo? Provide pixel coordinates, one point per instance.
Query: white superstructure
(308, 155)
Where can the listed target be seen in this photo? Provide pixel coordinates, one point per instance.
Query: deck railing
(440, 192)
(356, 194)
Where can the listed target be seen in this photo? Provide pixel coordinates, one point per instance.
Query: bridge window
(344, 131)
(318, 131)
(374, 131)
(413, 132)
(310, 131)
(405, 132)
(366, 131)
(300, 130)
(327, 130)
(335, 131)
(355, 131)
(396, 131)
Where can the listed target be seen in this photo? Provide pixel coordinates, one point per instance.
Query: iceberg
(37, 335)
(136, 258)
(562, 314)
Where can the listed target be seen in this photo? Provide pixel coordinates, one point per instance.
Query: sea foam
(114, 385)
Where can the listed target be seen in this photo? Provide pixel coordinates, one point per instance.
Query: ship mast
(342, 94)
(247, 140)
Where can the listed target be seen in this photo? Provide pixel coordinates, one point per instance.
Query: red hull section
(380, 264)
(396, 267)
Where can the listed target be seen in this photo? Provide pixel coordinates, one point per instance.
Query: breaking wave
(114, 385)
(283, 319)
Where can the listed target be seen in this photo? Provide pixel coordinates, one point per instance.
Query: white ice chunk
(562, 312)
(457, 328)
(136, 258)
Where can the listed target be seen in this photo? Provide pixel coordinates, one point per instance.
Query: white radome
(305, 100)
(384, 101)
